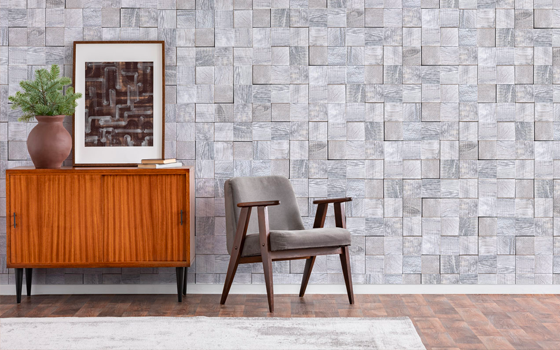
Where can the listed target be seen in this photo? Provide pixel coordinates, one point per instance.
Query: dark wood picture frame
(162, 43)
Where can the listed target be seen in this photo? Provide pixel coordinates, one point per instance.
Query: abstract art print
(120, 120)
(119, 104)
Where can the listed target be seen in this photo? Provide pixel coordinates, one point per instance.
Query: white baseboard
(286, 289)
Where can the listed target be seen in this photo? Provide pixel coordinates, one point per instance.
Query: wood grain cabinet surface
(99, 217)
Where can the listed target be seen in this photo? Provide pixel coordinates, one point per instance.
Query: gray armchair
(278, 233)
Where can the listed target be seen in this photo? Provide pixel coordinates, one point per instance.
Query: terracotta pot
(49, 143)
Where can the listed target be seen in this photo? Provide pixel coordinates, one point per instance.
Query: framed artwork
(120, 119)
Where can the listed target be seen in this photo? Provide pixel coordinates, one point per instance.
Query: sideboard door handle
(14, 219)
(181, 217)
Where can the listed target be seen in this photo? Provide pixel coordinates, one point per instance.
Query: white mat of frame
(201, 333)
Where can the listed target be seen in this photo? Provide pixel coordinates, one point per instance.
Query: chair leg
(264, 240)
(232, 268)
(345, 261)
(235, 255)
(306, 274)
(267, 267)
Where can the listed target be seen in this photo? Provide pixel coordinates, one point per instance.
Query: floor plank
(442, 321)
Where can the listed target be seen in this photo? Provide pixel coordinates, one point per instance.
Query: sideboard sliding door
(142, 219)
(55, 219)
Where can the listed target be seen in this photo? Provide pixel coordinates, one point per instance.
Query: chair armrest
(258, 204)
(332, 200)
(321, 213)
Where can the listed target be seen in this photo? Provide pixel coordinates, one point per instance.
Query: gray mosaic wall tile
(441, 120)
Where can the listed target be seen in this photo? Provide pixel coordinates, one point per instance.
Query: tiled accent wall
(440, 119)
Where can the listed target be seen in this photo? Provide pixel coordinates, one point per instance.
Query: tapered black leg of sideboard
(185, 282)
(19, 283)
(179, 273)
(28, 278)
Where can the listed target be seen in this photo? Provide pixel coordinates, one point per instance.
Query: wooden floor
(443, 321)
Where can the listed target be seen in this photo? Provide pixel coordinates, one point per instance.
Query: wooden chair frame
(267, 256)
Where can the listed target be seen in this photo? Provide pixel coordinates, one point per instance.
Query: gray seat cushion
(298, 239)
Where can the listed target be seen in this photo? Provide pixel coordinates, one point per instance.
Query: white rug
(201, 333)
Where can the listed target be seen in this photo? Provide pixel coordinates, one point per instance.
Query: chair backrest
(266, 188)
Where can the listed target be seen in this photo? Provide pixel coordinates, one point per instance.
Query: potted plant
(49, 143)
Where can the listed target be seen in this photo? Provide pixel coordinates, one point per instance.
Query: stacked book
(159, 164)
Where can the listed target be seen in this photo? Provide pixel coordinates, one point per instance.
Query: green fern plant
(45, 96)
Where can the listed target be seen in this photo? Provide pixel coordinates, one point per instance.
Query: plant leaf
(45, 95)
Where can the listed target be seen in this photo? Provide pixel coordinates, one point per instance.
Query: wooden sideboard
(99, 217)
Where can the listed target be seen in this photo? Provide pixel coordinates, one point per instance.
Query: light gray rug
(201, 333)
